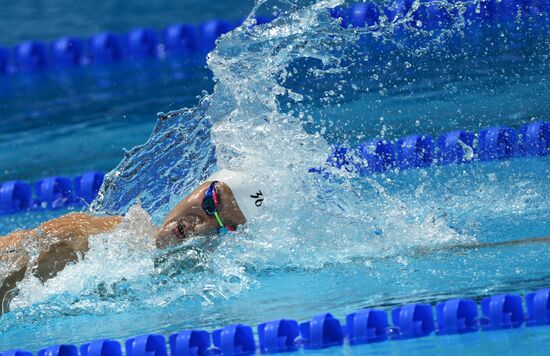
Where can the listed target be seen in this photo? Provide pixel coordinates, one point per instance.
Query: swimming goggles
(210, 206)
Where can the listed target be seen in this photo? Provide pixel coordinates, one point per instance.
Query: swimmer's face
(185, 220)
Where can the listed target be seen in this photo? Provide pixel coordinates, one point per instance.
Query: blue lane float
(413, 320)
(4, 57)
(535, 139)
(415, 151)
(67, 52)
(457, 316)
(497, 143)
(145, 345)
(278, 336)
(101, 347)
(235, 339)
(371, 157)
(87, 185)
(107, 47)
(365, 326)
(142, 43)
(53, 192)
(15, 196)
(435, 15)
(210, 31)
(502, 311)
(189, 342)
(359, 15)
(50, 193)
(376, 156)
(321, 331)
(456, 147)
(16, 353)
(538, 307)
(432, 16)
(30, 56)
(59, 350)
(180, 39)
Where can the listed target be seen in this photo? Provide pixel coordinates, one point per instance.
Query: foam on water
(253, 121)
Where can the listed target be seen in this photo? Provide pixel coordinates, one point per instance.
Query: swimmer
(225, 201)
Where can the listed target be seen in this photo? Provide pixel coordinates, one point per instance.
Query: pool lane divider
(371, 157)
(109, 47)
(455, 147)
(188, 40)
(366, 326)
(50, 193)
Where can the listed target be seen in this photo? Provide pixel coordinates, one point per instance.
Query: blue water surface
(36, 20)
(416, 248)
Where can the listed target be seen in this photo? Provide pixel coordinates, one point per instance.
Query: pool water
(531, 341)
(93, 113)
(333, 245)
(34, 20)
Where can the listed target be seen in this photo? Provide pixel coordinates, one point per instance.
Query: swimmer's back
(65, 238)
(73, 226)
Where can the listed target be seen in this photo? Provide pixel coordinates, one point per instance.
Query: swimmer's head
(189, 219)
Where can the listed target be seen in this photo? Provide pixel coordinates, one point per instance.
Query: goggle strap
(218, 219)
(216, 215)
(215, 196)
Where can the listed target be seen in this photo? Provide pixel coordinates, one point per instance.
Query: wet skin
(189, 219)
(65, 239)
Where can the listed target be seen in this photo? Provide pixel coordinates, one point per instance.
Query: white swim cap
(247, 190)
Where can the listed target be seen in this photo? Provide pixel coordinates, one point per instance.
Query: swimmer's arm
(15, 261)
(62, 240)
(77, 227)
(70, 226)
(67, 239)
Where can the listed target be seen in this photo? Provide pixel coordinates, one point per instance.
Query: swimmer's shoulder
(88, 219)
(72, 224)
(77, 224)
(12, 242)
